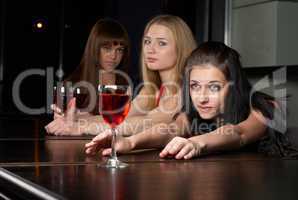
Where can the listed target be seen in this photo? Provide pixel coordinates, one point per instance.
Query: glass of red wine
(81, 98)
(61, 96)
(114, 105)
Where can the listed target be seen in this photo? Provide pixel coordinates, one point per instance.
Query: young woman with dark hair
(220, 112)
(107, 50)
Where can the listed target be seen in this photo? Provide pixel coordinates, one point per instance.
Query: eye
(106, 48)
(214, 87)
(120, 50)
(195, 86)
(162, 43)
(146, 41)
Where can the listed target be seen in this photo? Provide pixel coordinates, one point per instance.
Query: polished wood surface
(59, 165)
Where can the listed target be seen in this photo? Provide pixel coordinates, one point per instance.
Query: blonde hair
(185, 43)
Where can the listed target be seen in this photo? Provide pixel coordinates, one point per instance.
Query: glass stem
(113, 155)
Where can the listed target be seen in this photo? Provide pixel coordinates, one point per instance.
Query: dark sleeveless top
(276, 144)
(273, 144)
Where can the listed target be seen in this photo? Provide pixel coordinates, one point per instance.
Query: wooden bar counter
(58, 168)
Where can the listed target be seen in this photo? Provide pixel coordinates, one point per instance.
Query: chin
(109, 68)
(153, 67)
(207, 116)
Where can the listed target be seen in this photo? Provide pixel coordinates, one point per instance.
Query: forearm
(137, 124)
(95, 124)
(156, 137)
(226, 137)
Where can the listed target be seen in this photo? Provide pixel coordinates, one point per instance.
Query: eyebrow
(159, 38)
(208, 82)
(115, 46)
(215, 82)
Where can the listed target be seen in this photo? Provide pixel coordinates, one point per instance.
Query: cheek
(193, 97)
(101, 58)
(216, 100)
(119, 59)
(171, 57)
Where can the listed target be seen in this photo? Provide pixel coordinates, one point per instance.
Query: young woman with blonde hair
(167, 41)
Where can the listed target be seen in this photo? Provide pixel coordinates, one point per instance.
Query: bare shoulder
(171, 102)
(142, 103)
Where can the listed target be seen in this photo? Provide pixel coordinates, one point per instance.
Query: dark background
(67, 26)
(68, 23)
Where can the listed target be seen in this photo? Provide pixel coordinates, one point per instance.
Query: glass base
(113, 163)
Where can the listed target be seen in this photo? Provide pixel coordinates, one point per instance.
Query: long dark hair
(240, 100)
(104, 32)
(237, 104)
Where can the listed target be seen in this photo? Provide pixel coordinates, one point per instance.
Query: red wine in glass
(114, 105)
(81, 98)
(61, 97)
(114, 108)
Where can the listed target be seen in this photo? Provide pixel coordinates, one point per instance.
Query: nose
(113, 54)
(150, 48)
(203, 96)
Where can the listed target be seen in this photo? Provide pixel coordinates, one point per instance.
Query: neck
(167, 78)
(107, 78)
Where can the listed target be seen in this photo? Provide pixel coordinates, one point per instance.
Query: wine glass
(81, 98)
(61, 96)
(114, 105)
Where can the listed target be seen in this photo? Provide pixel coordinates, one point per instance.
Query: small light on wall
(39, 25)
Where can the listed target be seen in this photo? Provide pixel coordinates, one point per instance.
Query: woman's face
(159, 48)
(208, 90)
(110, 56)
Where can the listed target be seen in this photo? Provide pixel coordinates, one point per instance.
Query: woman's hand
(64, 124)
(181, 148)
(103, 142)
(99, 142)
(58, 113)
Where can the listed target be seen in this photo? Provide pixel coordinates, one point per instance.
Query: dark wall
(25, 48)
(62, 41)
(217, 20)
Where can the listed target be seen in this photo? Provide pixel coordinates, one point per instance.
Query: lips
(151, 60)
(205, 109)
(110, 63)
